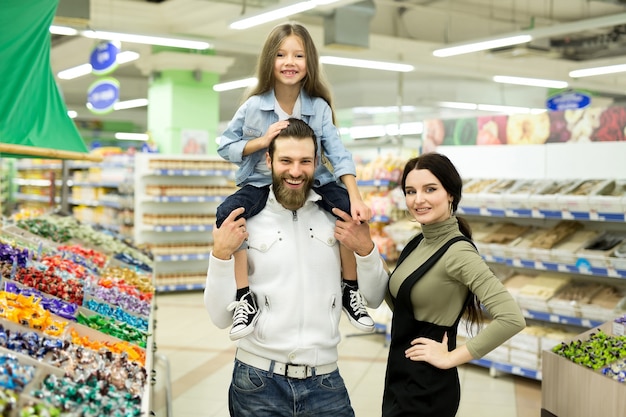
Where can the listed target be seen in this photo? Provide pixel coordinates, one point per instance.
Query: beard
(289, 198)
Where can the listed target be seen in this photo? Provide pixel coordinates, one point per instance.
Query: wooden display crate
(572, 390)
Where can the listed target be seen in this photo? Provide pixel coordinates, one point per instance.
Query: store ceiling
(398, 31)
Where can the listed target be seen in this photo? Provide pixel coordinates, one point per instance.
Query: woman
(428, 296)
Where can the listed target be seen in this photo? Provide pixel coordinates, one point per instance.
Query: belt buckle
(297, 371)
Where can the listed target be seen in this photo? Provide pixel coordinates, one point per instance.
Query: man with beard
(288, 365)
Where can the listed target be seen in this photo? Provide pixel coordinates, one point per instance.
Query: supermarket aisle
(200, 358)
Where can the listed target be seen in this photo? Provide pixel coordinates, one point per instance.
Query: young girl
(290, 85)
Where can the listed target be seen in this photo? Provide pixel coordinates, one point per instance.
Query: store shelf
(36, 198)
(185, 199)
(582, 268)
(495, 367)
(177, 228)
(192, 172)
(184, 257)
(543, 214)
(560, 319)
(175, 203)
(179, 287)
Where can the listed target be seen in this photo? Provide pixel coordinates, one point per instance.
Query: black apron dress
(418, 389)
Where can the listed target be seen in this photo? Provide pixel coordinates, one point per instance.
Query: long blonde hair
(315, 81)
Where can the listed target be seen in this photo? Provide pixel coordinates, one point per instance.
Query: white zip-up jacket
(295, 273)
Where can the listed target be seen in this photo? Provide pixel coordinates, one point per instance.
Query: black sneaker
(245, 315)
(354, 306)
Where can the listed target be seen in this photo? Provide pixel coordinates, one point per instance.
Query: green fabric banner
(32, 112)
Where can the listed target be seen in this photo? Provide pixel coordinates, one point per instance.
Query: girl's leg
(245, 312)
(352, 301)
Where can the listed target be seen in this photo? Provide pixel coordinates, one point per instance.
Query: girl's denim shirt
(253, 119)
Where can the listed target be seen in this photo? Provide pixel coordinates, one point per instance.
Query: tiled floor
(200, 359)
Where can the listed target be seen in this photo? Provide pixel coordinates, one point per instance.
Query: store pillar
(183, 109)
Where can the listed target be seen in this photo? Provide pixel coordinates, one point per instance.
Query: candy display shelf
(176, 197)
(120, 313)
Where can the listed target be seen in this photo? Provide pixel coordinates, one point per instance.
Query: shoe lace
(242, 309)
(357, 303)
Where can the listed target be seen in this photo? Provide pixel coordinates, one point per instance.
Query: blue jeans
(257, 393)
(253, 199)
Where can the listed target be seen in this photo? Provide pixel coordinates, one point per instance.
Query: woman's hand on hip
(428, 350)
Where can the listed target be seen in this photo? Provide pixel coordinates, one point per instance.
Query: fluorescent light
(589, 72)
(382, 110)
(126, 56)
(514, 38)
(503, 109)
(63, 30)
(72, 114)
(131, 136)
(534, 82)
(458, 105)
(146, 39)
(489, 107)
(376, 131)
(481, 45)
(271, 14)
(363, 63)
(233, 85)
(75, 72)
(130, 104)
(84, 69)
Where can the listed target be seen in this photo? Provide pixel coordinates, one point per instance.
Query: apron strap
(404, 292)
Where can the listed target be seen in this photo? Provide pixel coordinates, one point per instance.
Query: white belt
(286, 369)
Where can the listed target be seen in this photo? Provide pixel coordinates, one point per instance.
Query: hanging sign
(569, 100)
(103, 58)
(102, 95)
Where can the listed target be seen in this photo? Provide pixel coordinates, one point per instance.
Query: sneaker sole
(361, 327)
(245, 331)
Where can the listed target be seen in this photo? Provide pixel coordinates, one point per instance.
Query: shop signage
(569, 100)
(103, 58)
(102, 95)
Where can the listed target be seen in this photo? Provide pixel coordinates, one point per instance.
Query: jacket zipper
(294, 215)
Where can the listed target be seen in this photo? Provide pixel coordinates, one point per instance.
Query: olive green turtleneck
(439, 295)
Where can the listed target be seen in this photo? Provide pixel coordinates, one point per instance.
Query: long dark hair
(441, 167)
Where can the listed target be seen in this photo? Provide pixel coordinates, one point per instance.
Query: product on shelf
(598, 350)
(505, 233)
(556, 234)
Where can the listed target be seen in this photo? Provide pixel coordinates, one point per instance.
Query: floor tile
(200, 358)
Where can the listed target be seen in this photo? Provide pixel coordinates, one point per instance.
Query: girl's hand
(428, 350)
(273, 131)
(360, 211)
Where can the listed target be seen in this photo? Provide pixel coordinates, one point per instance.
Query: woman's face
(426, 199)
(290, 61)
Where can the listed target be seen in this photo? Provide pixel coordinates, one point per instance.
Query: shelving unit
(103, 193)
(176, 198)
(94, 192)
(541, 163)
(38, 183)
(6, 175)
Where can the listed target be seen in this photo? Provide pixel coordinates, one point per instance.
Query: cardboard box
(572, 390)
